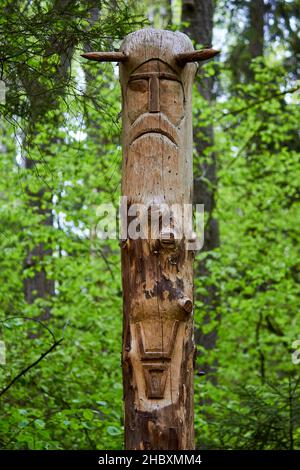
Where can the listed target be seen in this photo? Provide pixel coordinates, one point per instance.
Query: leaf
(113, 431)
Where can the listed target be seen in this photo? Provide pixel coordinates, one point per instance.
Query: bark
(256, 20)
(157, 272)
(249, 44)
(42, 100)
(198, 14)
(39, 286)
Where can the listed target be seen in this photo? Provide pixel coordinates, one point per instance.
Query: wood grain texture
(157, 273)
(196, 56)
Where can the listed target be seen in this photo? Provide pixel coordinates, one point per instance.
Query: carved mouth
(153, 124)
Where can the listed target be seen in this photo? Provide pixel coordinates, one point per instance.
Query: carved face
(155, 100)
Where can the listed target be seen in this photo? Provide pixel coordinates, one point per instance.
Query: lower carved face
(156, 338)
(156, 155)
(156, 341)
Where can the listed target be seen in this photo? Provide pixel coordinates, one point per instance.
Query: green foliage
(73, 397)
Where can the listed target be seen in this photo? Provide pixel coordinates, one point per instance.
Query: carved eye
(172, 100)
(137, 98)
(138, 85)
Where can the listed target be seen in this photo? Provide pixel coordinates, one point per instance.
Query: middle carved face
(155, 88)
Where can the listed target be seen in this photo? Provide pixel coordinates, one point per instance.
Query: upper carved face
(155, 88)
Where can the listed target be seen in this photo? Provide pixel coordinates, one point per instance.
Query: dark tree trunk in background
(256, 17)
(42, 100)
(39, 285)
(199, 16)
(250, 42)
(256, 30)
(256, 49)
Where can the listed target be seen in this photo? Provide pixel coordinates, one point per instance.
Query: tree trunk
(157, 271)
(198, 14)
(250, 42)
(42, 99)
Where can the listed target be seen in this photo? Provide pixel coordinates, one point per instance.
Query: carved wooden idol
(156, 72)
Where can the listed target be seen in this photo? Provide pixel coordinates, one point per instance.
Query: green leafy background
(72, 399)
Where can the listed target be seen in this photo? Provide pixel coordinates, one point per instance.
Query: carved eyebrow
(154, 59)
(147, 75)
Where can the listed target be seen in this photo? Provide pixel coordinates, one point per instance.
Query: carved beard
(154, 151)
(158, 156)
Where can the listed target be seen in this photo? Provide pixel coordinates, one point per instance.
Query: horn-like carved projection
(181, 59)
(105, 56)
(156, 75)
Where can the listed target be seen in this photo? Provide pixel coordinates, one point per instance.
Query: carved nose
(154, 95)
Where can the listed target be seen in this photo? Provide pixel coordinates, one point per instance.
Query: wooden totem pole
(157, 70)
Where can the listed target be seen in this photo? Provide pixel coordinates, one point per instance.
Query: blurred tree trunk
(42, 100)
(250, 42)
(256, 49)
(255, 34)
(198, 14)
(256, 20)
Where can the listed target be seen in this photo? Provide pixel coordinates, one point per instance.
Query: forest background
(60, 284)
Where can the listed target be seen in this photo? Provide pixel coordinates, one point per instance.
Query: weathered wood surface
(196, 56)
(156, 74)
(105, 56)
(157, 274)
